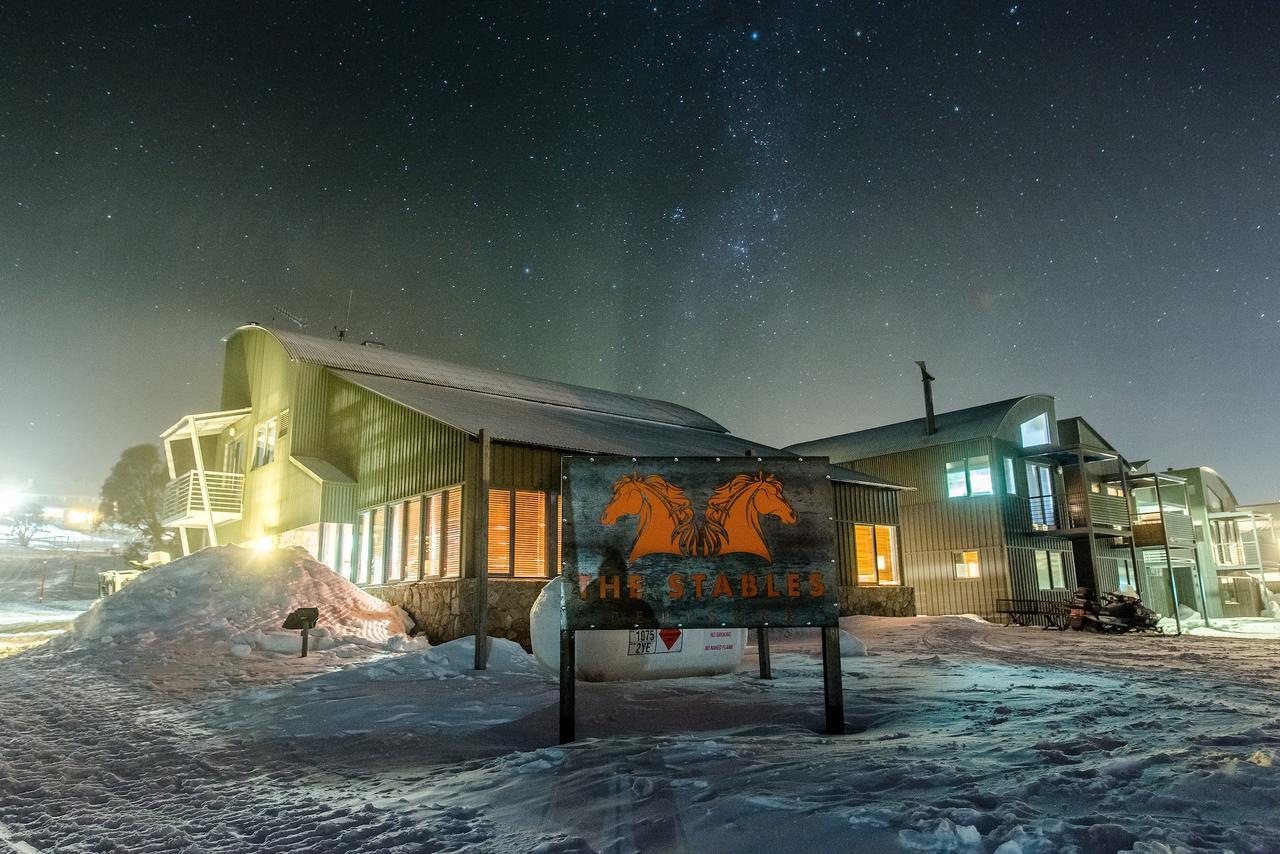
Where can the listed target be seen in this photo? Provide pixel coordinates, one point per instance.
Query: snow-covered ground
(965, 737)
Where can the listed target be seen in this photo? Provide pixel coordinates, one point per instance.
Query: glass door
(1040, 494)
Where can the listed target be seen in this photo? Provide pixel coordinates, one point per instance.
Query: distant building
(1012, 502)
(1236, 546)
(369, 459)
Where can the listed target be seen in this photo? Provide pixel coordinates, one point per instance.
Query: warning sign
(654, 641)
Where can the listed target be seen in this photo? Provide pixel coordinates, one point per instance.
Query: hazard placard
(654, 641)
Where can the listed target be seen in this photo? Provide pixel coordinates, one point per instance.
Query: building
(1235, 545)
(1267, 520)
(1012, 502)
(370, 460)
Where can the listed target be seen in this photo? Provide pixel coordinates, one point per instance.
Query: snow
(229, 598)
(963, 737)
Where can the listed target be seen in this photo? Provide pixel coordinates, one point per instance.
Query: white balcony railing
(184, 502)
(1236, 554)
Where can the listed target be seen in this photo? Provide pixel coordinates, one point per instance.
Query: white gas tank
(608, 656)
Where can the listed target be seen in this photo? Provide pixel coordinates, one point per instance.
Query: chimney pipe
(930, 423)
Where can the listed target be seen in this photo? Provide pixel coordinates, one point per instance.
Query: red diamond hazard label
(670, 637)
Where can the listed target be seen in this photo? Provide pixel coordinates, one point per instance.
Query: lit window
(1051, 571)
(876, 554)
(969, 477)
(957, 482)
(377, 539)
(1036, 431)
(1010, 479)
(395, 542)
(453, 533)
(366, 524)
(431, 536)
(264, 443)
(517, 533)
(980, 475)
(966, 564)
(412, 541)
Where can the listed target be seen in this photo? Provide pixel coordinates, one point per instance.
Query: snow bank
(235, 600)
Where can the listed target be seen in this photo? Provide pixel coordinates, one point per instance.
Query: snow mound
(234, 600)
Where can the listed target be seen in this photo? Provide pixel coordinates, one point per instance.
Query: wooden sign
(659, 542)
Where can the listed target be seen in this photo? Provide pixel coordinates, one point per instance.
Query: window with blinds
(431, 537)
(395, 542)
(864, 549)
(529, 555)
(876, 554)
(453, 532)
(499, 532)
(518, 533)
(377, 541)
(412, 540)
(362, 570)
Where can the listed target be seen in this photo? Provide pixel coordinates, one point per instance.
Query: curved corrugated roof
(532, 423)
(348, 356)
(956, 426)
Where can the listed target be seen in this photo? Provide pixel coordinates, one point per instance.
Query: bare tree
(25, 522)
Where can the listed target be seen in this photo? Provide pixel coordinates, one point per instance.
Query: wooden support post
(568, 676)
(481, 552)
(762, 649)
(832, 687)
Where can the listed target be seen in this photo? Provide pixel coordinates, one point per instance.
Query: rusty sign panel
(656, 542)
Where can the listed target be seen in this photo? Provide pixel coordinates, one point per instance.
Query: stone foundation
(445, 609)
(878, 601)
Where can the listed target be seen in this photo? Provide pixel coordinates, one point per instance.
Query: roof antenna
(297, 321)
(930, 423)
(346, 324)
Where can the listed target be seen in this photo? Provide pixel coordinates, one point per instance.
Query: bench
(1033, 612)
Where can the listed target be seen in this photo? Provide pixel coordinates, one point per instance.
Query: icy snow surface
(964, 737)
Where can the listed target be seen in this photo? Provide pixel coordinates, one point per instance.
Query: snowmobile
(1113, 613)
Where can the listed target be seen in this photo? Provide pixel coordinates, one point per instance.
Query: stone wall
(877, 601)
(445, 609)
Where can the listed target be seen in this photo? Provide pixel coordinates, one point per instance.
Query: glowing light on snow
(10, 498)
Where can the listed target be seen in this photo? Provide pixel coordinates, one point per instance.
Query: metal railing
(182, 498)
(1154, 529)
(1236, 554)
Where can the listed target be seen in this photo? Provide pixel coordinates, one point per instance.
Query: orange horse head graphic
(668, 525)
(734, 511)
(666, 518)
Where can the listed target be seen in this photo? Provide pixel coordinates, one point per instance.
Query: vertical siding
(934, 526)
(866, 505)
(278, 496)
(391, 451)
(309, 411)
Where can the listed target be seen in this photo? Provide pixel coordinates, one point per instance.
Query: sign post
(667, 544)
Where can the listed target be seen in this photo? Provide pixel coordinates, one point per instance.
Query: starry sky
(765, 211)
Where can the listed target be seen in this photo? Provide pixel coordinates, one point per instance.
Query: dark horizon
(764, 216)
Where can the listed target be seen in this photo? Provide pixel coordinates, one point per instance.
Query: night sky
(764, 211)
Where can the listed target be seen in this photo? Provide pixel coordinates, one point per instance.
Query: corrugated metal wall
(392, 452)
(934, 527)
(866, 505)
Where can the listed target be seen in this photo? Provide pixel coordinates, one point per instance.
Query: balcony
(1155, 530)
(1236, 555)
(1054, 514)
(184, 503)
